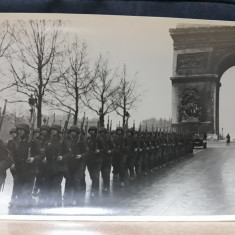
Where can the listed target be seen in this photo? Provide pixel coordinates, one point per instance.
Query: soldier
(150, 150)
(6, 162)
(138, 160)
(41, 187)
(57, 153)
(155, 148)
(76, 167)
(106, 158)
(11, 145)
(26, 156)
(36, 135)
(144, 147)
(11, 142)
(132, 149)
(120, 155)
(94, 158)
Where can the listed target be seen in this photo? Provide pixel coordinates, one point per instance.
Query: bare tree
(6, 41)
(36, 58)
(127, 96)
(5, 37)
(76, 80)
(103, 90)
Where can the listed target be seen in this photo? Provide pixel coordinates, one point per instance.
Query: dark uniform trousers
(41, 182)
(130, 162)
(151, 158)
(120, 156)
(11, 145)
(145, 160)
(74, 184)
(107, 157)
(74, 181)
(132, 151)
(25, 173)
(94, 161)
(106, 169)
(120, 160)
(138, 163)
(5, 162)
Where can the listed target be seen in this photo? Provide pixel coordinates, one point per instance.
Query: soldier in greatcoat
(41, 184)
(132, 150)
(138, 153)
(6, 162)
(76, 167)
(94, 158)
(26, 157)
(107, 153)
(120, 155)
(11, 145)
(57, 153)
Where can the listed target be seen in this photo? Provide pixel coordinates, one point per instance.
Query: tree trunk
(123, 120)
(101, 120)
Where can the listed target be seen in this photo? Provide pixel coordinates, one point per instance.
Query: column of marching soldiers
(57, 154)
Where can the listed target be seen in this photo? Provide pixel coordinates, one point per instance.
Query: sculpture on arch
(190, 109)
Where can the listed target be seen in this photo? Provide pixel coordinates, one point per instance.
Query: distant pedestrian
(228, 139)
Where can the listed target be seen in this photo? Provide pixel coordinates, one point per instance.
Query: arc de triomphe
(201, 55)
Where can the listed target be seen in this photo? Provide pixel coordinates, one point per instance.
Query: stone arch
(226, 61)
(202, 53)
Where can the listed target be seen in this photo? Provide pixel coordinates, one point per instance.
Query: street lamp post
(32, 103)
(127, 116)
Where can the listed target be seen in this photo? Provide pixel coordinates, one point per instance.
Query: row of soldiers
(40, 165)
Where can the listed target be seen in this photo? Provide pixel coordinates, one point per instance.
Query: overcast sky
(145, 45)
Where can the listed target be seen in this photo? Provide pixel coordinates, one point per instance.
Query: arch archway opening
(226, 103)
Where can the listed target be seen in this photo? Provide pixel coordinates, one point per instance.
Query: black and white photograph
(116, 116)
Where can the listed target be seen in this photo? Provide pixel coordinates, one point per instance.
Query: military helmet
(130, 130)
(136, 132)
(13, 130)
(103, 129)
(56, 127)
(113, 132)
(74, 128)
(45, 127)
(119, 129)
(36, 130)
(23, 126)
(92, 128)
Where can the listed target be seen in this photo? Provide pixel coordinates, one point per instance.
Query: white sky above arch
(143, 43)
(227, 107)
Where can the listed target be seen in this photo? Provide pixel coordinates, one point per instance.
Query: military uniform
(150, 149)
(132, 150)
(58, 167)
(144, 147)
(6, 162)
(106, 158)
(76, 167)
(11, 145)
(94, 158)
(25, 171)
(120, 155)
(41, 184)
(138, 159)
